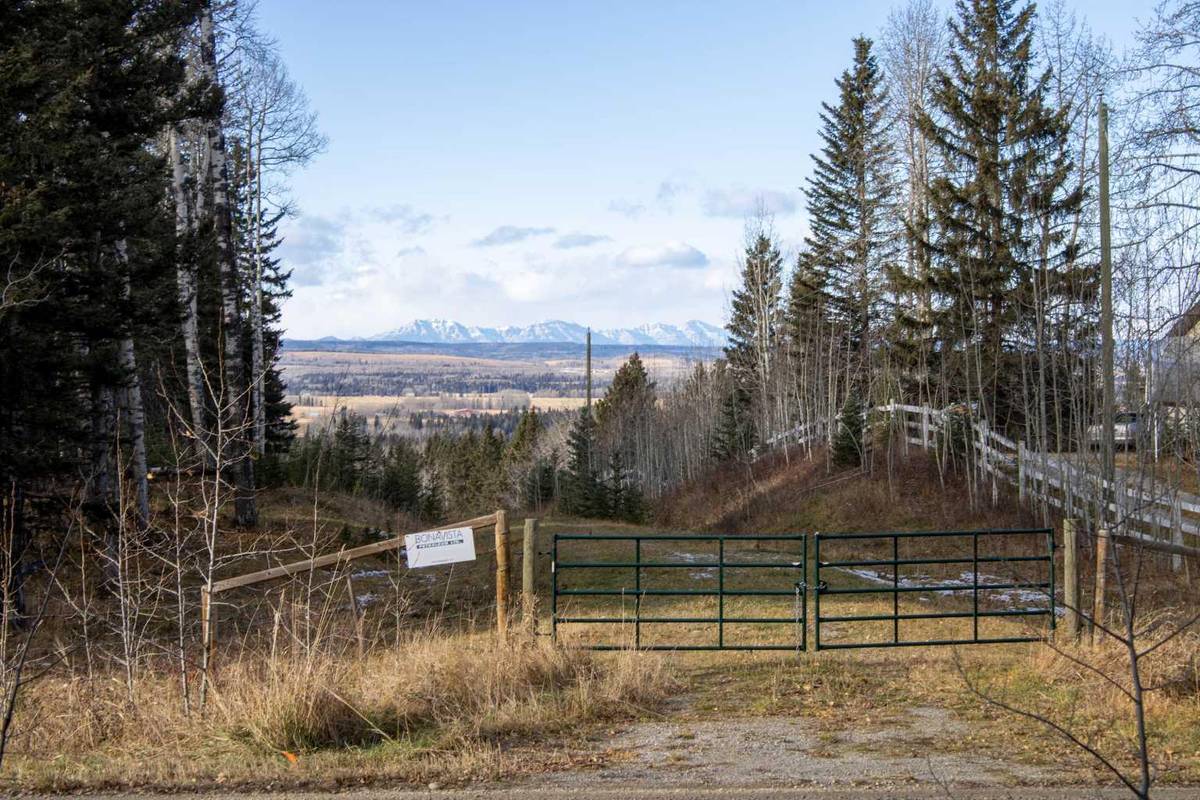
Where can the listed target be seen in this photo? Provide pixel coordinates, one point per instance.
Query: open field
(393, 412)
(403, 368)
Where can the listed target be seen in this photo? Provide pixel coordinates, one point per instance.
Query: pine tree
(1004, 180)
(84, 89)
(630, 394)
(734, 435)
(623, 500)
(521, 465)
(400, 482)
(850, 198)
(349, 454)
(754, 333)
(279, 428)
(848, 441)
(582, 493)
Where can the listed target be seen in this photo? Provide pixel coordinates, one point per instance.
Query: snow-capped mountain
(440, 331)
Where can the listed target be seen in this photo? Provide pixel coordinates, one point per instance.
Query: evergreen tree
(754, 328)
(349, 453)
(84, 89)
(432, 499)
(400, 483)
(848, 441)
(623, 500)
(279, 428)
(850, 197)
(582, 493)
(521, 464)
(630, 395)
(734, 435)
(995, 204)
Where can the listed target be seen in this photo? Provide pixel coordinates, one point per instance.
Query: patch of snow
(1009, 597)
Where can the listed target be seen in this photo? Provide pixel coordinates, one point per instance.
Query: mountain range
(439, 331)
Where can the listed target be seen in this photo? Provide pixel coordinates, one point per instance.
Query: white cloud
(668, 190)
(627, 208)
(569, 241)
(741, 202)
(405, 218)
(508, 234)
(671, 254)
(313, 247)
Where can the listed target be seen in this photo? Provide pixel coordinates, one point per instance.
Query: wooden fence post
(1071, 577)
(1177, 532)
(502, 572)
(528, 574)
(207, 638)
(358, 620)
(1098, 596)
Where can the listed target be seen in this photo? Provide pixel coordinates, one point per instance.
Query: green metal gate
(794, 586)
(1039, 592)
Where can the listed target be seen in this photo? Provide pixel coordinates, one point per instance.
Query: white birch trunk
(233, 396)
(135, 413)
(257, 349)
(186, 283)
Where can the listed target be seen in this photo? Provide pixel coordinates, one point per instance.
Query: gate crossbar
(638, 591)
(896, 589)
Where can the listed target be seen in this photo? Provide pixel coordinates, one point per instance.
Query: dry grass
(794, 494)
(437, 707)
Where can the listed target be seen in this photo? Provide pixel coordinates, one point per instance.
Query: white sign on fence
(432, 548)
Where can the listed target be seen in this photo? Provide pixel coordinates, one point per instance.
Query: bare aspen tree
(135, 413)
(278, 132)
(913, 45)
(233, 404)
(182, 194)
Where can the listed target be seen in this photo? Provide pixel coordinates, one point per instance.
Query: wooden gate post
(528, 574)
(1071, 578)
(207, 624)
(1098, 598)
(502, 572)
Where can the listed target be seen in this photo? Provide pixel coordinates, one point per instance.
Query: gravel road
(698, 793)
(763, 758)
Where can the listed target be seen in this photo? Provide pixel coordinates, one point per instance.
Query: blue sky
(505, 163)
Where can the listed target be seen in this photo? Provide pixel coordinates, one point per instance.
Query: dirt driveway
(787, 752)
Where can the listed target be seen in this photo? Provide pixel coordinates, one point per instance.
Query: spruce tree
(849, 438)
(630, 395)
(582, 494)
(1005, 176)
(850, 198)
(754, 335)
(734, 435)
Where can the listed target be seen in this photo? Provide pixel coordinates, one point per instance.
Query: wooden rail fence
(1141, 510)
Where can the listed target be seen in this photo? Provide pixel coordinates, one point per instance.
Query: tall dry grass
(434, 704)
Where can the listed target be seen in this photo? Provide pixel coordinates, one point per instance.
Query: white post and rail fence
(1140, 511)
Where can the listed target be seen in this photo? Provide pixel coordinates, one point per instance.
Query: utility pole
(1106, 323)
(588, 370)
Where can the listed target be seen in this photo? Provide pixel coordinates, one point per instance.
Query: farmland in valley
(392, 380)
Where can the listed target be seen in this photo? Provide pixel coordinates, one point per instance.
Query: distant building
(1175, 378)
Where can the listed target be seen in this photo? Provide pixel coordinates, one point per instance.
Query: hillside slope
(790, 493)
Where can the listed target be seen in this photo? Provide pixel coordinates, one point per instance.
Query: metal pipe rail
(896, 589)
(638, 591)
